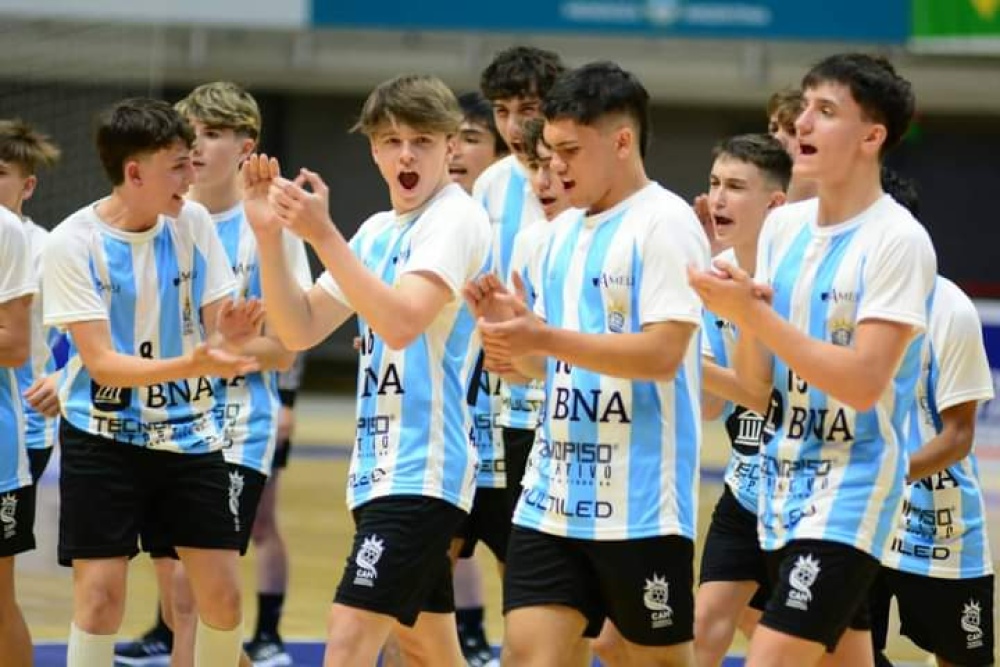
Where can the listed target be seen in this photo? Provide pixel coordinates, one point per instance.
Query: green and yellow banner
(957, 25)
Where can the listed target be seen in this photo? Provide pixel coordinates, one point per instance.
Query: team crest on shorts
(655, 596)
(236, 484)
(972, 624)
(801, 578)
(8, 515)
(368, 556)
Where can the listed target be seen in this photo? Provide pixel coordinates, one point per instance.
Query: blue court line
(304, 654)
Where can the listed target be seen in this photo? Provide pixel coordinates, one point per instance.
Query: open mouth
(408, 179)
(722, 221)
(457, 170)
(568, 185)
(517, 146)
(807, 149)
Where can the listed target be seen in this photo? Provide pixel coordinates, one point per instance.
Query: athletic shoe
(150, 650)
(477, 651)
(267, 652)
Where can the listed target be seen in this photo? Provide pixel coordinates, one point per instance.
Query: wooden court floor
(317, 528)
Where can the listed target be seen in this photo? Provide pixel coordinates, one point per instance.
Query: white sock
(217, 648)
(87, 650)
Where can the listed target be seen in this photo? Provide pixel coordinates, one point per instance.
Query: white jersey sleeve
(898, 279)
(448, 248)
(671, 245)
(16, 276)
(964, 370)
(72, 290)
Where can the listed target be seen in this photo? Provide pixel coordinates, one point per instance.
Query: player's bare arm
(15, 333)
(951, 445)
(298, 318)
(43, 395)
(715, 382)
(856, 376)
(490, 301)
(397, 314)
(242, 329)
(653, 354)
(113, 369)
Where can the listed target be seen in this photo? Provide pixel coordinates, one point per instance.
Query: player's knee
(773, 648)
(182, 606)
(99, 607)
(342, 624)
(223, 606)
(515, 652)
(712, 625)
(346, 636)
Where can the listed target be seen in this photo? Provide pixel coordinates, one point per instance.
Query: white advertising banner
(236, 13)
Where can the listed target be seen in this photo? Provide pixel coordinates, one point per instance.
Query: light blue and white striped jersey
(617, 459)
(247, 406)
(40, 432)
(150, 287)
(504, 189)
(942, 529)
(16, 280)
(527, 401)
(484, 431)
(491, 471)
(831, 473)
(413, 419)
(745, 428)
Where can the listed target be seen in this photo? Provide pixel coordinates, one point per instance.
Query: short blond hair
(421, 101)
(26, 147)
(223, 104)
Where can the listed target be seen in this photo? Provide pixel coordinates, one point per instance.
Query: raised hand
(306, 213)
(728, 291)
(516, 334)
(240, 321)
(701, 210)
(258, 172)
(43, 396)
(490, 300)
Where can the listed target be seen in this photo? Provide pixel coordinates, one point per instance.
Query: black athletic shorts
(246, 486)
(488, 522)
(111, 491)
(732, 549)
(38, 460)
(949, 618)
(17, 521)
(819, 589)
(398, 565)
(281, 453)
(517, 443)
(644, 586)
